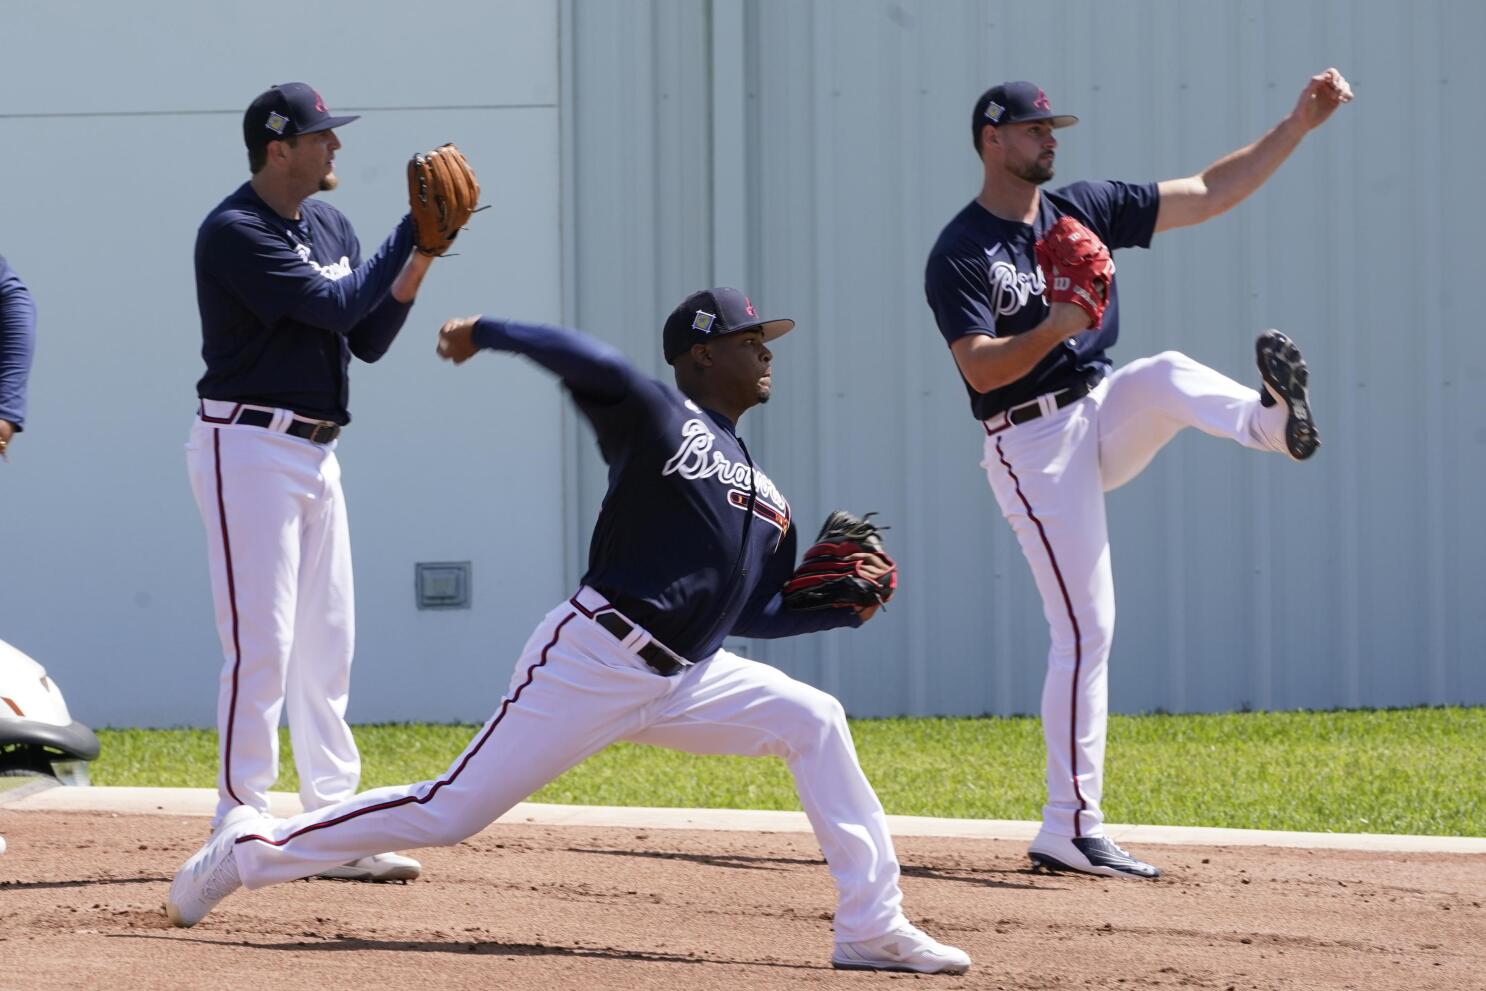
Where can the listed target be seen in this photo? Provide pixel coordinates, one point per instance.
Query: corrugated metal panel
(1243, 580)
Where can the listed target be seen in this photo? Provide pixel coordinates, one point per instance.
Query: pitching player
(286, 301)
(693, 543)
(1061, 429)
(17, 346)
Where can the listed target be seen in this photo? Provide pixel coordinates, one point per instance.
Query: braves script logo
(695, 459)
(1011, 289)
(334, 271)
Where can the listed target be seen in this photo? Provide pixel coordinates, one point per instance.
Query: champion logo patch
(703, 321)
(276, 122)
(994, 111)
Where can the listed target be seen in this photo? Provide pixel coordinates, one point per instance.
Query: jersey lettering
(1010, 289)
(334, 271)
(695, 459)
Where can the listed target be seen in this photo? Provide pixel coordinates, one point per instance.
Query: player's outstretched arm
(1229, 181)
(587, 366)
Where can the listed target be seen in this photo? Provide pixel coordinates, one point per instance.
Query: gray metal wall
(810, 153)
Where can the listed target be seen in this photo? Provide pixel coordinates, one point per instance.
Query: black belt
(314, 431)
(661, 659)
(1032, 409)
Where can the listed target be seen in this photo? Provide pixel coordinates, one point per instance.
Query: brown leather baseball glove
(442, 193)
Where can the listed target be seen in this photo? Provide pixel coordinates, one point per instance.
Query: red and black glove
(830, 577)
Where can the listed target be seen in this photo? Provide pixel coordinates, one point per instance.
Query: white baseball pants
(1049, 476)
(575, 690)
(280, 559)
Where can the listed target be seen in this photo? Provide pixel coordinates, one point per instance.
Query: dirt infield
(545, 907)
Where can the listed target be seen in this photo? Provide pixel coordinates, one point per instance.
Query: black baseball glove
(832, 576)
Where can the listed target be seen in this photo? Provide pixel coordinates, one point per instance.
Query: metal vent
(442, 584)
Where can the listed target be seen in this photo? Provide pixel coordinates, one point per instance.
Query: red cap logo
(748, 307)
(1040, 103)
(320, 103)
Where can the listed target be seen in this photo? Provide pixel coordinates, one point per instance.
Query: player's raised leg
(732, 705)
(1143, 405)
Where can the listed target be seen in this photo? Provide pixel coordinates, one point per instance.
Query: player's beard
(328, 181)
(1034, 172)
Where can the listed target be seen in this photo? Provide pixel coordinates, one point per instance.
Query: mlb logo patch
(276, 122)
(703, 321)
(994, 111)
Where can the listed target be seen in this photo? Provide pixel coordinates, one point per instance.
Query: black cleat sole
(1284, 371)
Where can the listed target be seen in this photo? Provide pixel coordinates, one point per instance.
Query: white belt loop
(219, 409)
(590, 600)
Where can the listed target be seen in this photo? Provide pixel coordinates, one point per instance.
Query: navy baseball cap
(286, 110)
(713, 313)
(1015, 103)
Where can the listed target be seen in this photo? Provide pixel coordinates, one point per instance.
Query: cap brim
(329, 124)
(771, 328)
(1063, 120)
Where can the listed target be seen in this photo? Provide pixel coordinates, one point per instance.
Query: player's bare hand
(1322, 95)
(872, 566)
(456, 339)
(7, 431)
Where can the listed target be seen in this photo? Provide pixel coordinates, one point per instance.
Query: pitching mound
(540, 907)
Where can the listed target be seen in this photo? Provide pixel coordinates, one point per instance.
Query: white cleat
(1087, 855)
(905, 948)
(211, 874)
(378, 867)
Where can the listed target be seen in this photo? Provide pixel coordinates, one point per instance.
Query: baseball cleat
(211, 874)
(1285, 377)
(1087, 855)
(905, 948)
(378, 867)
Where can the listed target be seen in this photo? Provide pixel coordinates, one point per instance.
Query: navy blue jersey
(17, 344)
(982, 278)
(286, 303)
(693, 542)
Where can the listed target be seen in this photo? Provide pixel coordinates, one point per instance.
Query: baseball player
(286, 301)
(1060, 429)
(693, 543)
(17, 346)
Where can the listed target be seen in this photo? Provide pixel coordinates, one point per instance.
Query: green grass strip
(1377, 771)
